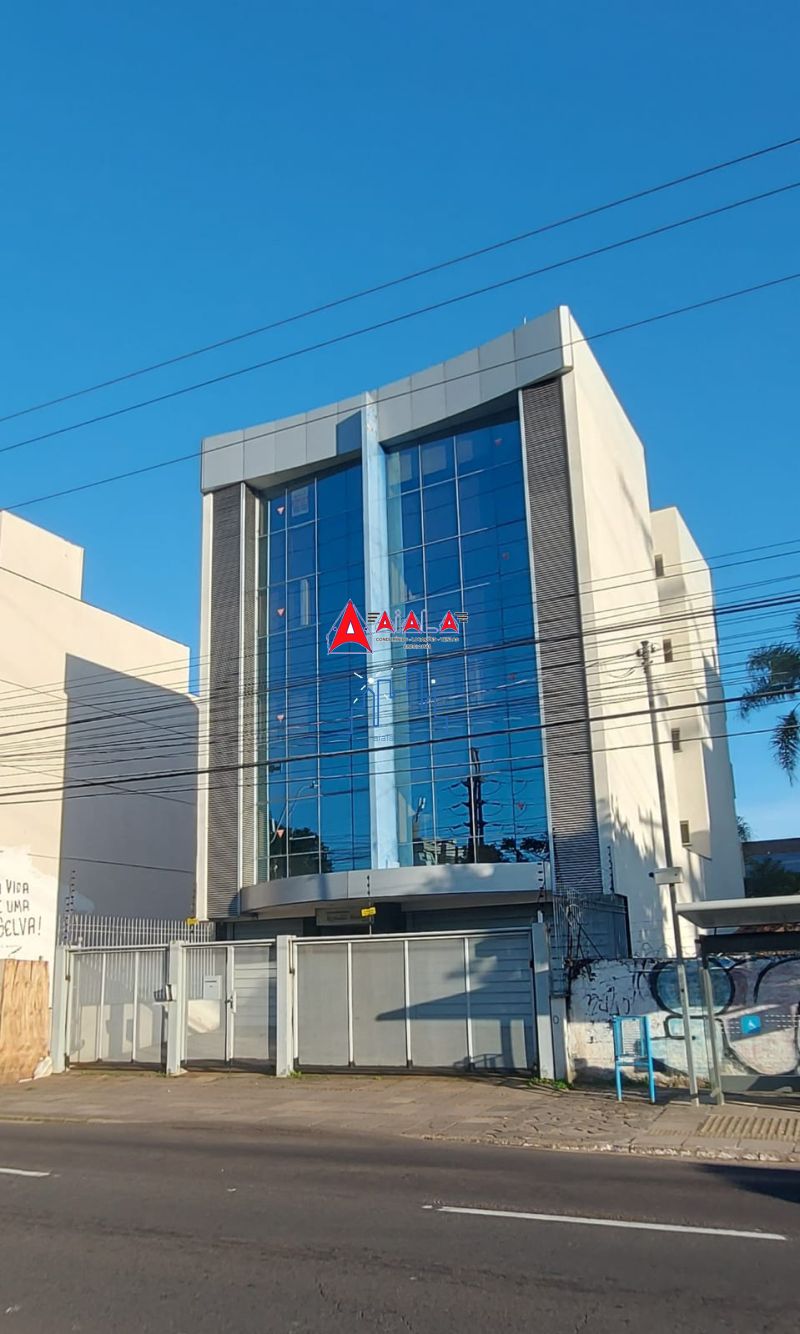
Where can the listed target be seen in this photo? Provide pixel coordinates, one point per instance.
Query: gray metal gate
(229, 1004)
(427, 1001)
(114, 1014)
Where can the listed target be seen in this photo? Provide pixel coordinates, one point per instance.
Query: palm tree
(774, 674)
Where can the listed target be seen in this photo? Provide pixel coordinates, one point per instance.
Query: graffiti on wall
(27, 907)
(756, 1010)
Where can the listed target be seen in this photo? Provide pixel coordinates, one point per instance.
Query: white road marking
(608, 1222)
(21, 1172)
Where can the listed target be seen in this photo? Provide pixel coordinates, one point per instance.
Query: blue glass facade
(468, 758)
(464, 743)
(313, 795)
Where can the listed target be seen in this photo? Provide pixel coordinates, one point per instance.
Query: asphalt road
(141, 1229)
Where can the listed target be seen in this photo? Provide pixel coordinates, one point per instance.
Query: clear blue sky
(174, 173)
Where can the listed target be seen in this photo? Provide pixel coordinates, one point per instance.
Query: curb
(630, 1150)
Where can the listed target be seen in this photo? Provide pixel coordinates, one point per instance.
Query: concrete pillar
(561, 1062)
(382, 797)
(59, 1019)
(540, 959)
(175, 1006)
(285, 963)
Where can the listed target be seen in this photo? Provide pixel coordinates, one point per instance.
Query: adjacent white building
(88, 702)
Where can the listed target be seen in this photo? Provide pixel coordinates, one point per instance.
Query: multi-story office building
(422, 609)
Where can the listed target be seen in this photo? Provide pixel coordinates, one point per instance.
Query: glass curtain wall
(468, 760)
(313, 787)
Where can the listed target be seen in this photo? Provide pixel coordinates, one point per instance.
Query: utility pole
(475, 804)
(645, 654)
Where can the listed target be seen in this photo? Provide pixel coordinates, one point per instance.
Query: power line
(574, 342)
(595, 684)
(536, 757)
(458, 657)
(472, 737)
(184, 667)
(491, 697)
(11, 700)
(104, 861)
(399, 319)
(671, 620)
(495, 246)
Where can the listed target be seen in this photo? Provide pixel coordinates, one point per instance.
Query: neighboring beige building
(88, 701)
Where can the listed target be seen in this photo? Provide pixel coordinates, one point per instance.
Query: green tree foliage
(766, 876)
(774, 673)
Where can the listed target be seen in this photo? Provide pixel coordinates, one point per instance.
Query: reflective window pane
(509, 493)
(275, 571)
(439, 512)
(302, 556)
(402, 470)
(301, 503)
(476, 502)
(301, 603)
(474, 450)
(276, 508)
(436, 461)
(405, 521)
(442, 569)
(406, 580)
(479, 556)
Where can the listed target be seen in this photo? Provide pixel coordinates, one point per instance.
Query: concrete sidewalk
(483, 1110)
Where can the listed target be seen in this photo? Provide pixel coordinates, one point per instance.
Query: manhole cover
(752, 1127)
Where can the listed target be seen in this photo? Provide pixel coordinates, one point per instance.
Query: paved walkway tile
(488, 1110)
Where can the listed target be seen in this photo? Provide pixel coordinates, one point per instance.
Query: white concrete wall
(40, 555)
(204, 675)
(86, 697)
(620, 608)
(622, 604)
(703, 773)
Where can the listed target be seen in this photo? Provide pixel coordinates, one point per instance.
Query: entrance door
(208, 1001)
(230, 1005)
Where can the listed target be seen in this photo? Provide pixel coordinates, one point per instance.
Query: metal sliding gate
(455, 1000)
(120, 1001)
(434, 1001)
(116, 1013)
(229, 1005)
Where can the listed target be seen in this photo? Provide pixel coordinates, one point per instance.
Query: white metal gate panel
(115, 1017)
(433, 1001)
(229, 1000)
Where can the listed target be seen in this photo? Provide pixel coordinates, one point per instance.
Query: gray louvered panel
(248, 688)
(482, 918)
(563, 672)
(223, 704)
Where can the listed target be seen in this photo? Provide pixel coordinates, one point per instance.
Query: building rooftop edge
(523, 336)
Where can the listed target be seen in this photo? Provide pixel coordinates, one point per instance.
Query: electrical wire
(574, 342)
(471, 737)
(376, 288)
(390, 321)
(672, 620)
